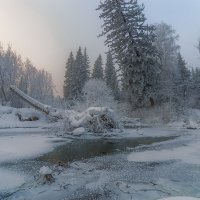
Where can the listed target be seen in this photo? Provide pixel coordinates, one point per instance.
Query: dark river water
(81, 149)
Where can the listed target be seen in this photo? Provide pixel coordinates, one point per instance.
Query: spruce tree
(182, 84)
(86, 67)
(69, 82)
(195, 88)
(131, 43)
(98, 69)
(110, 75)
(79, 73)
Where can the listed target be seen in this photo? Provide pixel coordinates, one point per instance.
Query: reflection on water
(83, 149)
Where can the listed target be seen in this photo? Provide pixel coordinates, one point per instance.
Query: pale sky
(45, 31)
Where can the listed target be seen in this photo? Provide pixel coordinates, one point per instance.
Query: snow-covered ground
(10, 119)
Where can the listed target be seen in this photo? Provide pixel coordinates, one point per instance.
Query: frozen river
(119, 168)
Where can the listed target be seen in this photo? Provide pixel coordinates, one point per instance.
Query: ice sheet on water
(23, 146)
(188, 153)
(180, 198)
(10, 180)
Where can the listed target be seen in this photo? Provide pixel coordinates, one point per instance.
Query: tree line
(13, 71)
(151, 68)
(78, 72)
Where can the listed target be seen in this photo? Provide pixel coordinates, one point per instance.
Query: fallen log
(48, 110)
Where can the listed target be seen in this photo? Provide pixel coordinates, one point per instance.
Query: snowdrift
(20, 117)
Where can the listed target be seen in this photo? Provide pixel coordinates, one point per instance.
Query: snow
(79, 131)
(39, 105)
(190, 120)
(180, 198)
(94, 119)
(10, 180)
(125, 176)
(99, 183)
(45, 170)
(115, 176)
(133, 123)
(17, 147)
(188, 153)
(9, 118)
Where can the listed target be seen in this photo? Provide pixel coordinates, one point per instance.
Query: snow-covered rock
(47, 177)
(79, 131)
(191, 125)
(45, 170)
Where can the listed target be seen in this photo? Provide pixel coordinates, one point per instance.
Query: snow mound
(45, 170)
(79, 131)
(94, 119)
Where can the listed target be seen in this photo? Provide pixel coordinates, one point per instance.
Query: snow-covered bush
(94, 119)
(96, 94)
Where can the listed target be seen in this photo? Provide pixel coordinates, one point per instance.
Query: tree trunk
(53, 112)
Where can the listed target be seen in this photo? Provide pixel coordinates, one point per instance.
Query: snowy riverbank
(117, 175)
(142, 163)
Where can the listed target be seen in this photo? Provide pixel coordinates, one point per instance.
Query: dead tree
(48, 110)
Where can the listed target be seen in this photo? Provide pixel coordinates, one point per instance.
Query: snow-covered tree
(97, 94)
(34, 82)
(110, 75)
(76, 75)
(195, 88)
(10, 64)
(98, 69)
(37, 83)
(79, 74)
(182, 84)
(86, 67)
(166, 43)
(69, 78)
(130, 41)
